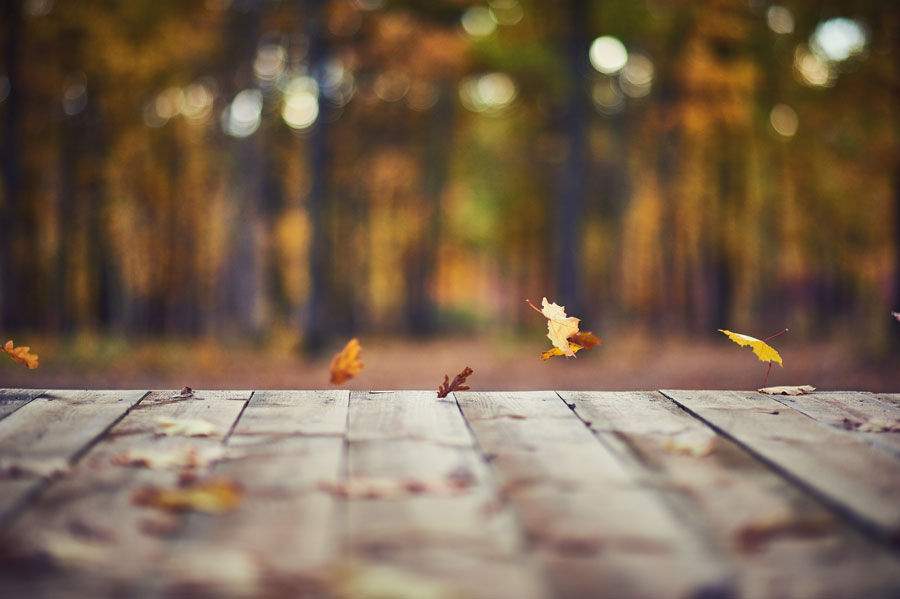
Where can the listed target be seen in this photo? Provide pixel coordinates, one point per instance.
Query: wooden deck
(400, 494)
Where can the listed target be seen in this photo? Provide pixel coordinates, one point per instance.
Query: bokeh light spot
(608, 55)
(637, 76)
(780, 19)
(489, 93)
(478, 22)
(301, 103)
(784, 120)
(243, 117)
(838, 39)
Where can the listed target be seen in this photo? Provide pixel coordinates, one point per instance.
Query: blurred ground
(628, 362)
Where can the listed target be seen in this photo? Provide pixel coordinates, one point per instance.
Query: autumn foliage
(346, 364)
(562, 330)
(21, 354)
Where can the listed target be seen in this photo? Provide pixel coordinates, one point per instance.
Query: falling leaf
(188, 427)
(158, 459)
(184, 393)
(577, 342)
(799, 390)
(212, 496)
(559, 326)
(345, 365)
(21, 354)
(456, 385)
(763, 351)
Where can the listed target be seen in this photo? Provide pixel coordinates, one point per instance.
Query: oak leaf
(456, 385)
(559, 326)
(763, 351)
(212, 496)
(345, 365)
(21, 354)
(577, 342)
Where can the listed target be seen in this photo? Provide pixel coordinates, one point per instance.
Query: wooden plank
(595, 525)
(279, 413)
(51, 432)
(13, 399)
(854, 479)
(462, 540)
(86, 528)
(889, 398)
(858, 414)
(766, 524)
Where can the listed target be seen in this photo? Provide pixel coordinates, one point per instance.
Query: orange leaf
(345, 365)
(456, 385)
(21, 355)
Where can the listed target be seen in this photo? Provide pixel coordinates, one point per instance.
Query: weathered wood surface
(399, 494)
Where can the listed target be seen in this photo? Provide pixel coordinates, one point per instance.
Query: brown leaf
(797, 390)
(345, 365)
(21, 354)
(212, 496)
(185, 392)
(396, 488)
(456, 385)
(559, 326)
(872, 425)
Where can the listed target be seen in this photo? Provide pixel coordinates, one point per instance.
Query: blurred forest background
(229, 189)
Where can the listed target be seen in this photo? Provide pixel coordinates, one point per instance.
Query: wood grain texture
(13, 399)
(859, 414)
(860, 482)
(52, 430)
(86, 526)
(763, 523)
(463, 540)
(594, 524)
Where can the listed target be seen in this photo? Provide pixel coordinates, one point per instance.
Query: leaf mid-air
(562, 330)
(345, 365)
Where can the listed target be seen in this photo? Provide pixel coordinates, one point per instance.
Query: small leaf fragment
(212, 496)
(457, 384)
(345, 365)
(188, 427)
(787, 390)
(763, 351)
(21, 354)
(184, 393)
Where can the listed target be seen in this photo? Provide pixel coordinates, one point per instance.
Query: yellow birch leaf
(763, 351)
(345, 365)
(22, 355)
(559, 326)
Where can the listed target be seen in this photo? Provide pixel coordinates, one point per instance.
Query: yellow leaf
(213, 496)
(189, 427)
(763, 351)
(559, 326)
(578, 341)
(345, 365)
(22, 355)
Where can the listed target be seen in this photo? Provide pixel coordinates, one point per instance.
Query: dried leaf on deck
(691, 446)
(796, 390)
(211, 496)
(371, 581)
(345, 365)
(27, 467)
(395, 488)
(160, 459)
(188, 427)
(752, 536)
(184, 393)
(763, 351)
(577, 342)
(456, 385)
(559, 326)
(21, 354)
(872, 425)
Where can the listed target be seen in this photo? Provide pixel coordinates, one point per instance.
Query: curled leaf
(456, 385)
(21, 354)
(184, 393)
(345, 365)
(211, 496)
(763, 351)
(577, 342)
